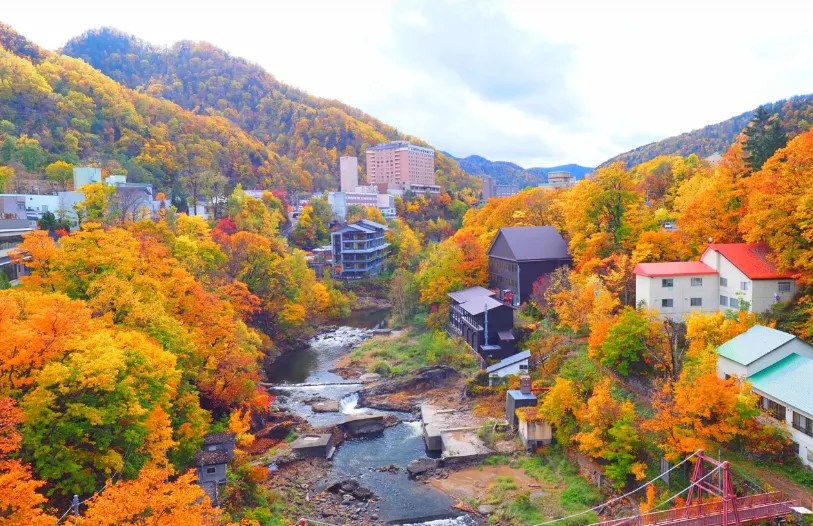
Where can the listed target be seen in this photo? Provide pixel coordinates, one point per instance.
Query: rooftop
(210, 458)
(529, 243)
(524, 355)
(788, 380)
(479, 305)
(462, 296)
(753, 344)
(218, 438)
(752, 259)
(688, 268)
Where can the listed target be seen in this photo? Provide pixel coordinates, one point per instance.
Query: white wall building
(725, 275)
(745, 268)
(676, 289)
(779, 367)
(349, 173)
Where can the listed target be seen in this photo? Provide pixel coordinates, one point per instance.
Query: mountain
(511, 173)
(54, 107)
(307, 133)
(795, 113)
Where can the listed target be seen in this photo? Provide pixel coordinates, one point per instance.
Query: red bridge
(725, 509)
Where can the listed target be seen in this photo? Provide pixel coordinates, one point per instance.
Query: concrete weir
(366, 423)
(445, 430)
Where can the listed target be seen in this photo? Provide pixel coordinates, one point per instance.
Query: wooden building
(520, 255)
(484, 323)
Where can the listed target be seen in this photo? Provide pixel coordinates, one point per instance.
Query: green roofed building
(779, 367)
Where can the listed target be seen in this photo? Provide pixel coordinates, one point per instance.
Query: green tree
(59, 173)
(763, 136)
(625, 345)
(404, 294)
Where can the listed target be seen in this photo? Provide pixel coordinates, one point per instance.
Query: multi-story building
(348, 173)
(11, 235)
(492, 189)
(778, 366)
(401, 165)
(726, 275)
(559, 179)
(522, 255)
(359, 250)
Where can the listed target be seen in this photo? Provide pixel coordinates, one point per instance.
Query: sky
(535, 82)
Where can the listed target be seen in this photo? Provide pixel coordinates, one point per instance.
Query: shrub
(381, 367)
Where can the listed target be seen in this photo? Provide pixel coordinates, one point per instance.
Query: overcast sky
(530, 81)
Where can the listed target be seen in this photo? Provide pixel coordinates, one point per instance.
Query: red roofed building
(676, 288)
(747, 268)
(725, 275)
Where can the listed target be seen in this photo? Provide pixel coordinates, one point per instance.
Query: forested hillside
(54, 107)
(511, 173)
(308, 133)
(796, 115)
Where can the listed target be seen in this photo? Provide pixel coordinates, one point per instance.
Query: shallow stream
(401, 500)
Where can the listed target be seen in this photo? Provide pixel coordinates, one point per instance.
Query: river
(401, 500)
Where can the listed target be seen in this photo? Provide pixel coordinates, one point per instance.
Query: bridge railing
(707, 510)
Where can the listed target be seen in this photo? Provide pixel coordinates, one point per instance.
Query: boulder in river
(325, 406)
(369, 377)
(352, 488)
(422, 465)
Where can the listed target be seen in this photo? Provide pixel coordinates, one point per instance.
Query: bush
(381, 367)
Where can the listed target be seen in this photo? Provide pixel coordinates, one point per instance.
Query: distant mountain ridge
(511, 173)
(305, 134)
(796, 114)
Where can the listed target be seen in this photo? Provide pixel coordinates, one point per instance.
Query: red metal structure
(723, 507)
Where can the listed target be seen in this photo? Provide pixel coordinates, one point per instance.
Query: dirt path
(772, 481)
(474, 482)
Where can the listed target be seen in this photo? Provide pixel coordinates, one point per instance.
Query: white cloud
(530, 81)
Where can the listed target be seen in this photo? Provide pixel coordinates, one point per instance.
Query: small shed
(212, 461)
(533, 429)
(514, 399)
(315, 445)
(516, 364)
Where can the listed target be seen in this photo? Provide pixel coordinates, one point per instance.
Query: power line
(622, 496)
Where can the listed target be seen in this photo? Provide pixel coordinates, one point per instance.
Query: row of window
(668, 303)
(775, 409)
(803, 424)
(782, 286)
(725, 301)
(498, 264)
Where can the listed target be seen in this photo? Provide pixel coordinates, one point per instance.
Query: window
(724, 301)
(667, 304)
(776, 410)
(723, 282)
(803, 424)
(697, 282)
(667, 283)
(784, 286)
(211, 471)
(734, 303)
(743, 285)
(696, 302)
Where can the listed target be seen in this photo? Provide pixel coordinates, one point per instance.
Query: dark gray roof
(218, 438)
(529, 243)
(478, 305)
(462, 296)
(211, 458)
(368, 223)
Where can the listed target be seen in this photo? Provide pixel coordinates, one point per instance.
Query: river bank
(366, 482)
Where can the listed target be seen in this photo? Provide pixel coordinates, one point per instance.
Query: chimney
(525, 384)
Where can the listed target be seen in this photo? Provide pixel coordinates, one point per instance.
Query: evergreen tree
(764, 135)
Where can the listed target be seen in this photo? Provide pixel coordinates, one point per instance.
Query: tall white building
(349, 173)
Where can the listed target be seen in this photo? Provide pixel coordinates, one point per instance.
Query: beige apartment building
(401, 165)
